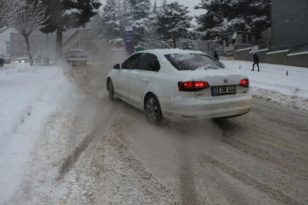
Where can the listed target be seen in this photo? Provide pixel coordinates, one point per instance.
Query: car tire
(111, 90)
(152, 109)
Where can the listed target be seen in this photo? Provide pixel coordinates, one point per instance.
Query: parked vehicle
(77, 57)
(4, 60)
(179, 84)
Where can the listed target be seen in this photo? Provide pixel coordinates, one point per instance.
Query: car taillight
(244, 83)
(192, 86)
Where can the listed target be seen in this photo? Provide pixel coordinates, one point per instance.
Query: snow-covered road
(63, 142)
(51, 131)
(259, 158)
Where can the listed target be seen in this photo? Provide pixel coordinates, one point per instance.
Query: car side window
(132, 62)
(149, 62)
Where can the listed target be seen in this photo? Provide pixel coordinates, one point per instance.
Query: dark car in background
(4, 60)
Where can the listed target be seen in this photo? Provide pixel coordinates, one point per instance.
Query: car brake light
(244, 83)
(192, 86)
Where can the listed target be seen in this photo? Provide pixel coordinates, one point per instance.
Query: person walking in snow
(216, 56)
(256, 61)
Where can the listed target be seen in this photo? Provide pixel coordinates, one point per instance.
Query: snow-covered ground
(273, 84)
(28, 95)
(56, 149)
(46, 122)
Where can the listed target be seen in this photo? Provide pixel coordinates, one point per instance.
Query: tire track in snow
(94, 135)
(70, 161)
(273, 193)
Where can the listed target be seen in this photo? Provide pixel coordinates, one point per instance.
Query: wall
(280, 58)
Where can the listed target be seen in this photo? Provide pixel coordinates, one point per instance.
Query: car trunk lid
(223, 83)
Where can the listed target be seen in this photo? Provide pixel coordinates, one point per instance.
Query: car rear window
(193, 61)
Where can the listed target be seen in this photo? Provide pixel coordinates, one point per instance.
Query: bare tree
(30, 18)
(8, 12)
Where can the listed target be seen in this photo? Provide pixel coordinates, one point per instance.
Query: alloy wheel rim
(152, 109)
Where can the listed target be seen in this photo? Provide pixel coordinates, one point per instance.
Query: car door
(123, 86)
(147, 68)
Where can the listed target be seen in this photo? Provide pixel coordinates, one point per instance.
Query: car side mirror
(117, 66)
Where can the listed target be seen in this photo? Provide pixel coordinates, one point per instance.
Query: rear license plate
(224, 90)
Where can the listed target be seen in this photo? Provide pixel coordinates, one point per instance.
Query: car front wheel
(152, 110)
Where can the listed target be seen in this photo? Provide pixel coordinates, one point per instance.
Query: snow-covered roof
(298, 53)
(258, 51)
(278, 51)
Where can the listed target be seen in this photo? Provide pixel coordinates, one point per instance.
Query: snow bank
(273, 77)
(273, 82)
(28, 95)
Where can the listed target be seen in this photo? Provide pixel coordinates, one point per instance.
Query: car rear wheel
(111, 90)
(152, 110)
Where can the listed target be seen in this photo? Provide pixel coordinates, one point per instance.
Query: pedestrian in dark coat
(216, 55)
(256, 61)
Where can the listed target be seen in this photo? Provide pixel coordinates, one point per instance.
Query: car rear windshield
(193, 61)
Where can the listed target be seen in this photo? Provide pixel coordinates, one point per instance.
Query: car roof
(169, 51)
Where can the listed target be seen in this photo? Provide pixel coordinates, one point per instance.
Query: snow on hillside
(273, 83)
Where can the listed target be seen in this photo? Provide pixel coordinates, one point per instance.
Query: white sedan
(179, 84)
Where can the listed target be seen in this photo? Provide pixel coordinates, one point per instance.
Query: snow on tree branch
(8, 11)
(225, 16)
(30, 18)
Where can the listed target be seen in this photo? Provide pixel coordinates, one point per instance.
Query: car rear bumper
(200, 109)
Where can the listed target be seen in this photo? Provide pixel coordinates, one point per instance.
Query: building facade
(40, 44)
(237, 40)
